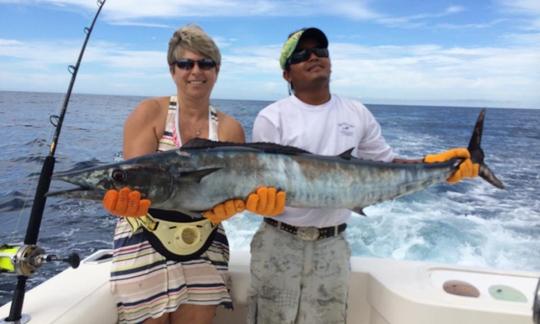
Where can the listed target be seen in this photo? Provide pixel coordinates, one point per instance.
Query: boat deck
(382, 291)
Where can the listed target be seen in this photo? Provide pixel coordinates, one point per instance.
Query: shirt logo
(346, 129)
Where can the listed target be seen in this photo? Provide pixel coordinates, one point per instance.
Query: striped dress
(146, 284)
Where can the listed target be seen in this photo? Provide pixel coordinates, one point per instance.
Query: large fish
(204, 173)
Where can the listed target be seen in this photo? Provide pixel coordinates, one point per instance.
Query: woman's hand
(125, 203)
(267, 201)
(224, 211)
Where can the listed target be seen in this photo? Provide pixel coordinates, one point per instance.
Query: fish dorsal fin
(201, 143)
(347, 155)
(197, 175)
(276, 148)
(198, 142)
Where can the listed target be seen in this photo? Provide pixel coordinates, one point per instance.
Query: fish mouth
(79, 192)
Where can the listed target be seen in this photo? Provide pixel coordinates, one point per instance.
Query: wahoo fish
(203, 173)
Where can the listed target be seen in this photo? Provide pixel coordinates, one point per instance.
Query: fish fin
(477, 154)
(277, 148)
(488, 175)
(359, 211)
(198, 142)
(347, 155)
(197, 175)
(201, 143)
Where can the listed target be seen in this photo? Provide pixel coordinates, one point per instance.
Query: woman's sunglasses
(303, 55)
(188, 64)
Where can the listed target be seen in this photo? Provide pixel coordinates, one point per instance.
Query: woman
(149, 286)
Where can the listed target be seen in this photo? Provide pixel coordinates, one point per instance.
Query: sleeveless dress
(146, 284)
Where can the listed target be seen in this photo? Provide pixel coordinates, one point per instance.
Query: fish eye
(119, 175)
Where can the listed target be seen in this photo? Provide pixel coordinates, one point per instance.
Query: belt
(308, 233)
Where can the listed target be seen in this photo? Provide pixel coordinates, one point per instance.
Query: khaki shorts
(295, 281)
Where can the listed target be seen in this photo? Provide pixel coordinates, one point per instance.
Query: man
(300, 259)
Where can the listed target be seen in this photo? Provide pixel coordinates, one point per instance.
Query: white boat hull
(381, 292)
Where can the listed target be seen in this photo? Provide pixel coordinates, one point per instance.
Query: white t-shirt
(328, 129)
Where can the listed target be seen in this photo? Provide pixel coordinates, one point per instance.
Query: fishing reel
(24, 260)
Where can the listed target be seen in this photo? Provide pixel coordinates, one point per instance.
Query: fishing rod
(24, 259)
(536, 304)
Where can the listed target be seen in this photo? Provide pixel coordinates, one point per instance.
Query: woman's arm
(143, 128)
(230, 130)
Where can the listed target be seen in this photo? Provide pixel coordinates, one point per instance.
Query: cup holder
(461, 288)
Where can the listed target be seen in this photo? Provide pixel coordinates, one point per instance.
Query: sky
(460, 53)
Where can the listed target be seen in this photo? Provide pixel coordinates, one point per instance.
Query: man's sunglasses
(188, 64)
(304, 55)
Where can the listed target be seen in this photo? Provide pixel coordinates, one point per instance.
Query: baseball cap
(294, 38)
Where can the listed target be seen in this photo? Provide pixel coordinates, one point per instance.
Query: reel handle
(73, 259)
(24, 260)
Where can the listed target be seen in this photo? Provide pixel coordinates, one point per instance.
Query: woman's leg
(193, 314)
(163, 319)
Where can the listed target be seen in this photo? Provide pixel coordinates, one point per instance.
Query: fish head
(152, 180)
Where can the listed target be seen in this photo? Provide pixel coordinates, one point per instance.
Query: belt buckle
(309, 233)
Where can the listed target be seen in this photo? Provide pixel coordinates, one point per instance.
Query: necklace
(190, 127)
(196, 128)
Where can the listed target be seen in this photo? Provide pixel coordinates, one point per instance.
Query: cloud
(529, 9)
(454, 9)
(418, 20)
(42, 66)
(375, 73)
(437, 73)
(123, 11)
(485, 25)
(379, 73)
(142, 24)
(143, 12)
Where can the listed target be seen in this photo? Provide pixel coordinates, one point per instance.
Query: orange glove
(466, 169)
(266, 201)
(224, 211)
(125, 203)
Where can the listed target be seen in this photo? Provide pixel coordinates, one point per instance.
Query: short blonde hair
(192, 38)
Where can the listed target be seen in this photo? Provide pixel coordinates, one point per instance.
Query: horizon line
(368, 102)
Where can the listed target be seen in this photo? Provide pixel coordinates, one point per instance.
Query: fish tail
(477, 154)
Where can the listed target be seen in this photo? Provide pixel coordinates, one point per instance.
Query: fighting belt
(176, 240)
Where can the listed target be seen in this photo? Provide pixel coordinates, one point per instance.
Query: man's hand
(266, 201)
(466, 169)
(125, 203)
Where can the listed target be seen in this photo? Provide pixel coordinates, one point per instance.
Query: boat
(382, 291)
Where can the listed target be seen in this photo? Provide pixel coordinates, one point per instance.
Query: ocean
(471, 223)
